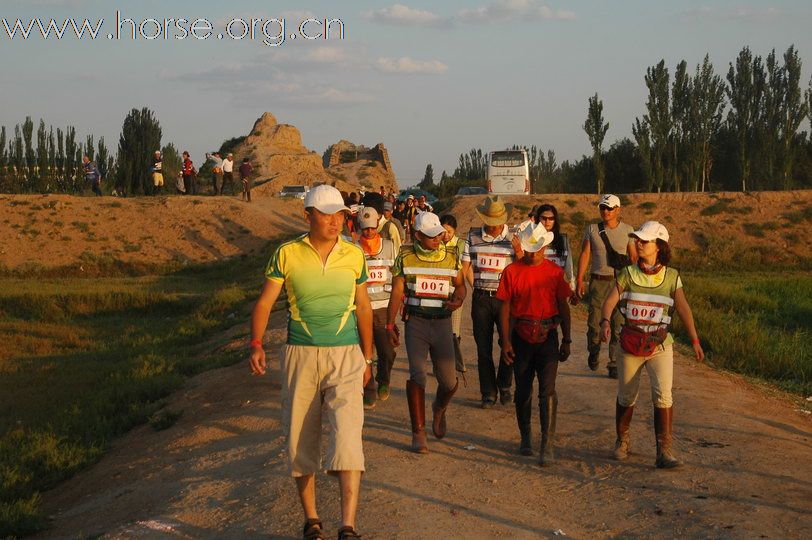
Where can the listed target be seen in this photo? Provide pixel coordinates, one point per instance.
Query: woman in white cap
(647, 294)
(534, 297)
(428, 274)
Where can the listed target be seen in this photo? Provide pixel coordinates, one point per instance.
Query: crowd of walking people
(368, 261)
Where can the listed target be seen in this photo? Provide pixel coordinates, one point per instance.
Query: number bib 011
(432, 287)
(493, 263)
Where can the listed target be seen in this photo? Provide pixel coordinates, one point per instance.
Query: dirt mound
(773, 223)
(52, 231)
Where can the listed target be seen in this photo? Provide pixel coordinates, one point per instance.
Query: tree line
(700, 132)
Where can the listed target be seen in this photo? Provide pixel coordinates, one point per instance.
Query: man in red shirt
(534, 298)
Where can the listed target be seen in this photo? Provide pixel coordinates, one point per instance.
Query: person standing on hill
(607, 247)
(92, 175)
(323, 367)
(216, 171)
(486, 254)
(246, 171)
(647, 295)
(157, 173)
(534, 304)
(380, 255)
(189, 175)
(428, 275)
(228, 173)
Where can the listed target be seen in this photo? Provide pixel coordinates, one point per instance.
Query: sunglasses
(641, 241)
(546, 218)
(604, 208)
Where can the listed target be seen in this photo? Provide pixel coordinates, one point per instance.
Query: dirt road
(220, 472)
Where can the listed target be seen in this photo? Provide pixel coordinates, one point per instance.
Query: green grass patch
(722, 205)
(106, 351)
(798, 217)
(757, 324)
(648, 205)
(753, 229)
(571, 203)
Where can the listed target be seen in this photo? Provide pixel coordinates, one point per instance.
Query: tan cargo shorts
(317, 380)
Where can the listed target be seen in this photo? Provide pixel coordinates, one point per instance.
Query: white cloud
(401, 15)
(506, 10)
(731, 13)
(409, 65)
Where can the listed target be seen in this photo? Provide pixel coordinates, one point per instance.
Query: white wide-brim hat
(535, 237)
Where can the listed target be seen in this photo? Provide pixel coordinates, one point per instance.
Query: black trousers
(535, 359)
(484, 318)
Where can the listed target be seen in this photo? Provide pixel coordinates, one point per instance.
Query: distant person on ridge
(328, 357)
(228, 174)
(607, 247)
(157, 173)
(92, 175)
(246, 172)
(189, 174)
(216, 171)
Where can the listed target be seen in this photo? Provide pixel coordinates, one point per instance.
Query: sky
(430, 80)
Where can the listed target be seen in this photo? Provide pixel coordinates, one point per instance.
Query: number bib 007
(492, 262)
(431, 287)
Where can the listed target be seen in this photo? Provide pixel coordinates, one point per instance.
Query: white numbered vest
(552, 255)
(429, 284)
(488, 259)
(649, 308)
(379, 284)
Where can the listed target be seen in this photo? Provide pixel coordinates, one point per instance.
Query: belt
(428, 317)
(602, 278)
(484, 292)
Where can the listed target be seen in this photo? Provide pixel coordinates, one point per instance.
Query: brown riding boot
(662, 429)
(548, 409)
(438, 409)
(623, 418)
(416, 396)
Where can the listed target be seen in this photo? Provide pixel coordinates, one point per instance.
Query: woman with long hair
(559, 250)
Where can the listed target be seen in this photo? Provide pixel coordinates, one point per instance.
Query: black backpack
(616, 260)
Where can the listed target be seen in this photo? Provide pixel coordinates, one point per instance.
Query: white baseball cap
(534, 237)
(368, 218)
(428, 224)
(612, 201)
(326, 199)
(651, 230)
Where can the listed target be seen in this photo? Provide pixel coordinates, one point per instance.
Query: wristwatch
(604, 319)
(566, 341)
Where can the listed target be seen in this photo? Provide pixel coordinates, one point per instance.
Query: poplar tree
(596, 128)
(744, 102)
(707, 105)
(140, 136)
(792, 113)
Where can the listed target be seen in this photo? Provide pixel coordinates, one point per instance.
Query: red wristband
(255, 343)
(390, 327)
(695, 341)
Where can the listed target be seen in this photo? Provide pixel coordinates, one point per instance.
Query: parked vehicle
(297, 192)
(472, 190)
(509, 173)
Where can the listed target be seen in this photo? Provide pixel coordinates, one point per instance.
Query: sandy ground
(220, 471)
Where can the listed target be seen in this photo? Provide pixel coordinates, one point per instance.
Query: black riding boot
(523, 413)
(548, 409)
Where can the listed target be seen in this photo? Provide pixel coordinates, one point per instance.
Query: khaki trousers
(660, 367)
(597, 292)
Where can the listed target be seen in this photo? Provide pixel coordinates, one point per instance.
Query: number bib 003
(378, 275)
(432, 287)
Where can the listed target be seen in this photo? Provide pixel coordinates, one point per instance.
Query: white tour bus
(509, 173)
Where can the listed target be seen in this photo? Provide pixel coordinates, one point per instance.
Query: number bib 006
(644, 313)
(492, 262)
(431, 287)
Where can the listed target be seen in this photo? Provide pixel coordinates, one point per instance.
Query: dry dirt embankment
(52, 231)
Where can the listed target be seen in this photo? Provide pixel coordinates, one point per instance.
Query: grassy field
(84, 360)
(756, 323)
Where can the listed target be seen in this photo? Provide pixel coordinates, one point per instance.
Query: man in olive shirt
(602, 275)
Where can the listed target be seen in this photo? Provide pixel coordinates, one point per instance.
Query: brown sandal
(347, 532)
(313, 530)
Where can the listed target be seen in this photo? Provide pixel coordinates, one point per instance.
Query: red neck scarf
(650, 270)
